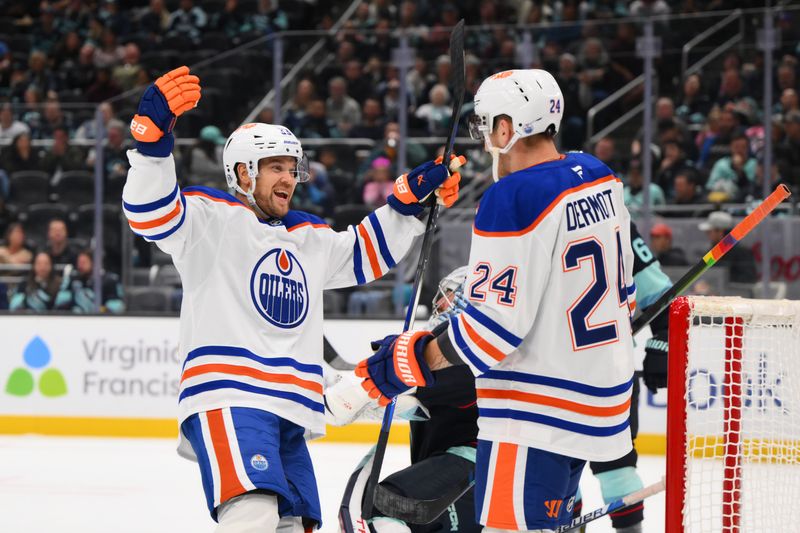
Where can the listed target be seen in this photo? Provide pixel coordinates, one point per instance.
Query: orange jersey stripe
(540, 399)
(373, 257)
(482, 343)
(304, 224)
(230, 485)
(150, 224)
(221, 200)
(236, 370)
(546, 211)
(501, 505)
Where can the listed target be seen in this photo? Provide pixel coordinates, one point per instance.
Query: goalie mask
(251, 143)
(449, 300)
(532, 100)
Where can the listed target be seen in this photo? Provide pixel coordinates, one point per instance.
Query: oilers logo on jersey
(279, 289)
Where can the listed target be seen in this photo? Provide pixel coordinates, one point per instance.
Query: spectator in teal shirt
(77, 290)
(633, 192)
(38, 293)
(732, 176)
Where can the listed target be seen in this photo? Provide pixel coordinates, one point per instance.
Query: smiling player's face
(274, 185)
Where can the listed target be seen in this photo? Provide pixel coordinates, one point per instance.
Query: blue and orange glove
(162, 103)
(398, 365)
(412, 189)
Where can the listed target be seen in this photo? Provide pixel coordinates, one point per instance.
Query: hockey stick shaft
(333, 358)
(616, 505)
(738, 233)
(459, 75)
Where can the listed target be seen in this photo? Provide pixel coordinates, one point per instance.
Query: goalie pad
(350, 520)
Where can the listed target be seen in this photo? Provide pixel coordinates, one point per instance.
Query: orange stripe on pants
(229, 484)
(501, 503)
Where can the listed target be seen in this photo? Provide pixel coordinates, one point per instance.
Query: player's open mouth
(283, 195)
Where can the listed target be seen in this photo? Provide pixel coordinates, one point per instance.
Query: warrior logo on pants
(278, 289)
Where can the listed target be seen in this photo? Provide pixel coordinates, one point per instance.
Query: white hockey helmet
(531, 98)
(252, 142)
(449, 300)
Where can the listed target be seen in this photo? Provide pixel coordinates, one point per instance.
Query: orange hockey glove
(412, 189)
(169, 97)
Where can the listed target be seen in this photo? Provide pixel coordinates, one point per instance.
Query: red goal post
(733, 415)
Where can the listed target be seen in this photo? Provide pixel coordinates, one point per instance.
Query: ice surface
(95, 485)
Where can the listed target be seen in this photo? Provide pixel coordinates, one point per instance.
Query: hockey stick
(738, 233)
(333, 358)
(459, 76)
(616, 505)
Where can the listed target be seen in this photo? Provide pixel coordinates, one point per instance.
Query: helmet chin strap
(251, 200)
(254, 206)
(495, 151)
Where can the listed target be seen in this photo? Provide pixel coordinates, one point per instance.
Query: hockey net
(733, 432)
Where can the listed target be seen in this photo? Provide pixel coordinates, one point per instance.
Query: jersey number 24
(590, 253)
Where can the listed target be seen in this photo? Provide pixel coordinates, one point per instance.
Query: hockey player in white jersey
(253, 272)
(547, 329)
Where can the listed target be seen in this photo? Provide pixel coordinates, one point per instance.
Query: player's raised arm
(367, 251)
(152, 201)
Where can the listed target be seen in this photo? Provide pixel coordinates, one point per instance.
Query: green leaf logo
(52, 384)
(20, 382)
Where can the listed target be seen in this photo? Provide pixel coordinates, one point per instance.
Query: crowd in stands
(56, 55)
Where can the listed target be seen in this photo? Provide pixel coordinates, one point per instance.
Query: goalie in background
(444, 432)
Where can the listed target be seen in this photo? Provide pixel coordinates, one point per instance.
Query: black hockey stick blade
(413, 511)
(333, 358)
(458, 84)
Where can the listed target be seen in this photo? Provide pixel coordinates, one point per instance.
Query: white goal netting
(741, 409)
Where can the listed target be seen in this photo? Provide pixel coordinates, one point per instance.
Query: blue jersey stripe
(357, 268)
(382, 246)
(464, 348)
(152, 206)
(493, 326)
(574, 386)
(170, 231)
(594, 431)
(214, 193)
(246, 387)
(631, 288)
(244, 352)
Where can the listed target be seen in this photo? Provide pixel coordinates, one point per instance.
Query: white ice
(94, 485)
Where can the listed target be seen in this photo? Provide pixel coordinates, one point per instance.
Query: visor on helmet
(478, 126)
(301, 172)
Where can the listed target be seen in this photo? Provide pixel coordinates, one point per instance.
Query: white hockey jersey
(251, 317)
(547, 330)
